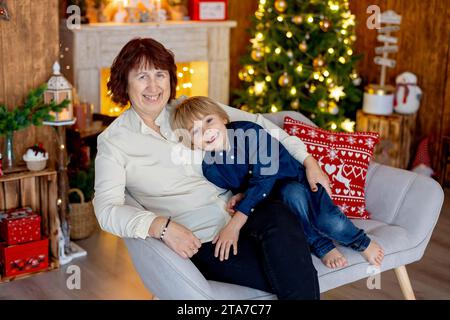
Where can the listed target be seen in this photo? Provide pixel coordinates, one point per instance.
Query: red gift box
(24, 258)
(208, 10)
(19, 226)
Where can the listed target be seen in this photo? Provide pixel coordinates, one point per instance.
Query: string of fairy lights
(310, 76)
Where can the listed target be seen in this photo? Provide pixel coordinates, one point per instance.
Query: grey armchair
(404, 207)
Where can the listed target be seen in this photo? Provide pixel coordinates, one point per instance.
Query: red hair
(138, 52)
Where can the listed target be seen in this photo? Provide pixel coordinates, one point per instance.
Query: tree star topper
(4, 14)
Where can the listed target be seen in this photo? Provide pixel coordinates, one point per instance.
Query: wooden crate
(396, 133)
(38, 190)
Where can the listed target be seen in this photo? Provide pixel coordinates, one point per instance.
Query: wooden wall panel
(29, 47)
(240, 11)
(424, 50)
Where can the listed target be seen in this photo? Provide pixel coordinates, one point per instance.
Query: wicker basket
(82, 218)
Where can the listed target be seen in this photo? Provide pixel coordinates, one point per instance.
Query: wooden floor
(107, 273)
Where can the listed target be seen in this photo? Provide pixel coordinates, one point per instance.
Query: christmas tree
(301, 58)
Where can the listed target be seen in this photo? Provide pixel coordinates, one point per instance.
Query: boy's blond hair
(193, 109)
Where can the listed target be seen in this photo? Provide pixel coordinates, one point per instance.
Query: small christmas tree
(301, 58)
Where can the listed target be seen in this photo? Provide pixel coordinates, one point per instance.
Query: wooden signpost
(391, 21)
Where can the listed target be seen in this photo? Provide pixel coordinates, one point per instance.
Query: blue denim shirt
(253, 163)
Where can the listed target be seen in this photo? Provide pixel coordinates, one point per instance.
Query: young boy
(242, 157)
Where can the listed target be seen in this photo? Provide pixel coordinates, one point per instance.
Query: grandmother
(182, 208)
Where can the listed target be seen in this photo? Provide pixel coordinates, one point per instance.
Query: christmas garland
(33, 112)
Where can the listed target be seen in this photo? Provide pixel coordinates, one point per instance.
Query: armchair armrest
(404, 198)
(160, 267)
(166, 274)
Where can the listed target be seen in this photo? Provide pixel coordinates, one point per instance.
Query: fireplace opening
(192, 81)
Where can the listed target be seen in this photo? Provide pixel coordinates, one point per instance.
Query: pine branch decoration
(33, 112)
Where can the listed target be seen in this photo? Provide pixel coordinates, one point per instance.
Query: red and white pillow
(345, 157)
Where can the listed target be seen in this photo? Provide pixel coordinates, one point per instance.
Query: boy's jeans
(321, 219)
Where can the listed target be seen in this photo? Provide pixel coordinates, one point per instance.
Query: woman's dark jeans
(273, 255)
(321, 219)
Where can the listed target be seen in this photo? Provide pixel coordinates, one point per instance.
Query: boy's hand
(315, 175)
(229, 236)
(234, 200)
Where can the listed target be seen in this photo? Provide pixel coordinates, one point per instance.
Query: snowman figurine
(407, 94)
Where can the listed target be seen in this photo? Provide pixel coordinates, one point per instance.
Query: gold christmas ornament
(318, 62)
(325, 25)
(248, 78)
(303, 46)
(244, 107)
(284, 80)
(333, 108)
(322, 104)
(244, 74)
(257, 55)
(297, 19)
(280, 5)
(295, 104)
(334, 111)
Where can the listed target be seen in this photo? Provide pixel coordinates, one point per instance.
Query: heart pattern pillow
(344, 157)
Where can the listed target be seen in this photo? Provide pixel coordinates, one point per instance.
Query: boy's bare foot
(334, 259)
(374, 253)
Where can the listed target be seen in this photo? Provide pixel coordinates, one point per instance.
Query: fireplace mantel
(94, 46)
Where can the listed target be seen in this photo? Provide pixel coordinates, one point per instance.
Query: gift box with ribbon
(20, 225)
(208, 10)
(24, 258)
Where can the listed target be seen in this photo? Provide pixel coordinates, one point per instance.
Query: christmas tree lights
(301, 58)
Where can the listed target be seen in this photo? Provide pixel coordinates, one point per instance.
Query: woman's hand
(177, 237)
(315, 175)
(229, 236)
(234, 200)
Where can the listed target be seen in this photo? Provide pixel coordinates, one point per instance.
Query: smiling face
(148, 90)
(209, 133)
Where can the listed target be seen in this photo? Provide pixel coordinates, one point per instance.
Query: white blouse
(159, 174)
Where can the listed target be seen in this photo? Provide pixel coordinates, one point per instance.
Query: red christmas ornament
(4, 14)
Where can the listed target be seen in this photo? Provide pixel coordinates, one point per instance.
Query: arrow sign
(388, 39)
(388, 49)
(384, 62)
(390, 17)
(387, 29)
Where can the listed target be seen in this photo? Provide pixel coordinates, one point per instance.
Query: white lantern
(59, 89)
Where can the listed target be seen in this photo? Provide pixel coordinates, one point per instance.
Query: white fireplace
(201, 51)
